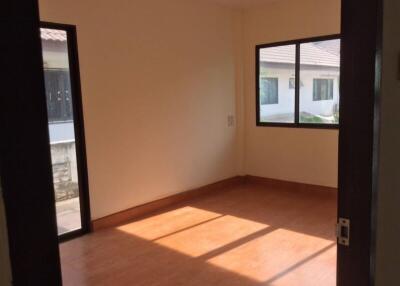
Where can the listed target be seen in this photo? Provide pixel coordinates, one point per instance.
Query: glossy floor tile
(245, 235)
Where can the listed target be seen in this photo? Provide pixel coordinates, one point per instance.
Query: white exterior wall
(306, 92)
(56, 59)
(61, 131)
(62, 134)
(64, 152)
(56, 55)
(287, 97)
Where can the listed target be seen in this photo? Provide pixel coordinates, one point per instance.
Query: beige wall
(158, 82)
(159, 79)
(388, 250)
(301, 155)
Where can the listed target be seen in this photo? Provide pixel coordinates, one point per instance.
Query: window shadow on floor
(240, 236)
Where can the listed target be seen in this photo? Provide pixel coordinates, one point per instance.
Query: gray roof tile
(326, 53)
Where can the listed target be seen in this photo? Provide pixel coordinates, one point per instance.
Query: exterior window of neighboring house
(308, 73)
(269, 90)
(323, 89)
(58, 95)
(292, 83)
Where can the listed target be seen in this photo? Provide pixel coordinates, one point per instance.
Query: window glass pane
(269, 88)
(61, 129)
(277, 74)
(319, 75)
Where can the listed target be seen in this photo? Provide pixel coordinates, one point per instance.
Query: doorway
(356, 156)
(66, 132)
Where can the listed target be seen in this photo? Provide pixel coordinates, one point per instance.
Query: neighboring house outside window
(313, 65)
(323, 89)
(58, 95)
(269, 90)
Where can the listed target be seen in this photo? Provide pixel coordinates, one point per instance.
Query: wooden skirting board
(149, 208)
(142, 210)
(275, 183)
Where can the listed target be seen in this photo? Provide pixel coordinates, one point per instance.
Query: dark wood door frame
(358, 137)
(25, 163)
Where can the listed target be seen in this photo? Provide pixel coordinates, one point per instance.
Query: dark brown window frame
(296, 123)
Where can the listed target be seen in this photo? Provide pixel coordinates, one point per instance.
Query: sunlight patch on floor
(210, 236)
(167, 223)
(250, 238)
(265, 257)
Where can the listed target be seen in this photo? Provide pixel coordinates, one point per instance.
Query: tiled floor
(68, 215)
(247, 235)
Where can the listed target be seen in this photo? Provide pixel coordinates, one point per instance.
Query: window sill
(61, 122)
(299, 125)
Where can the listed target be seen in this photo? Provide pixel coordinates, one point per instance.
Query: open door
(25, 163)
(359, 108)
(66, 128)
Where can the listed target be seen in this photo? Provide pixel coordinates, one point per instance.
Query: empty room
(168, 96)
(189, 142)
